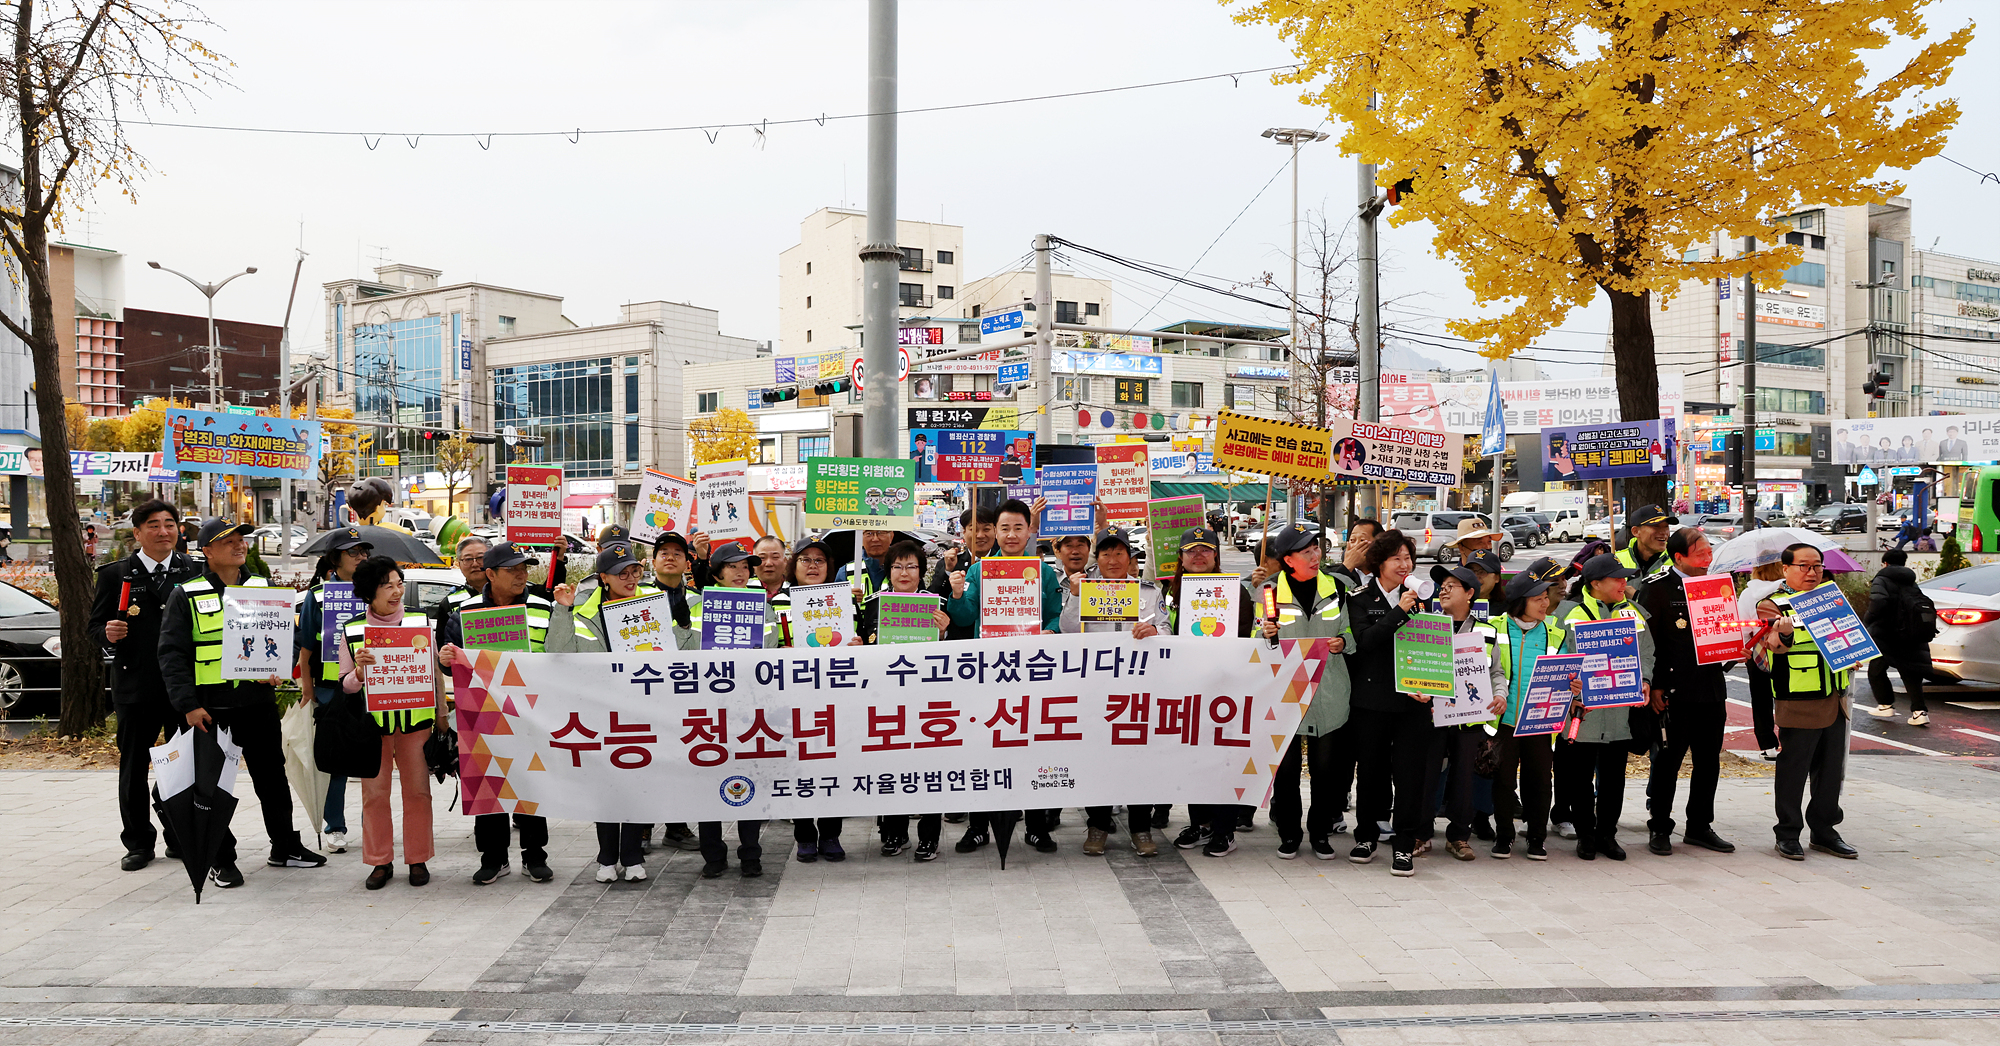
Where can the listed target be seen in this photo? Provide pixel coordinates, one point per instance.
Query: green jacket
(1331, 702)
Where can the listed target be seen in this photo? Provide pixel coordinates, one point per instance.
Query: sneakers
(1565, 830)
(1248, 822)
(294, 856)
(832, 850)
(972, 840)
(225, 876)
(1423, 847)
(809, 852)
(1093, 842)
(1770, 755)
(1920, 718)
(1883, 711)
(635, 873)
(1197, 835)
(1288, 849)
(1361, 854)
(537, 873)
(607, 873)
(1339, 826)
(1482, 828)
(926, 852)
(1143, 843)
(336, 842)
(1042, 842)
(680, 837)
(1502, 849)
(711, 870)
(379, 876)
(752, 867)
(1403, 863)
(895, 845)
(487, 873)
(1220, 847)
(1536, 851)
(1460, 849)
(1323, 848)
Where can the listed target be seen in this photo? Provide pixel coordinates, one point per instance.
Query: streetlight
(1295, 137)
(209, 291)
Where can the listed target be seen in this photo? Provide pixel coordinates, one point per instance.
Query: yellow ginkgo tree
(1566, 148)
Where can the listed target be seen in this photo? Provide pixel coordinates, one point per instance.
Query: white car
(266, 539)
(1968, 640)
(1602, 529)
(424, 587)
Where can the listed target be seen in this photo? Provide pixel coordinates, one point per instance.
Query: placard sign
(1712, 615)
(1069, 491)
(1100, 599)
(666, 503)
(722, 500)
(494, 628)
(861, 493)
(1168, 519)
(732, 618)
(906, 617)
(1010, 596)
(1124, 480)
(1209, 604)
(256, 631)
(1399, 455)
(239, 445)
(534, 504)
(337, 606)
(1610, 650)
(640, 623)
(823, 615)
(1472, 684)
(1271, 448)
(1548, 697)
(403, 675)
(1424, 655)
(1835, 629)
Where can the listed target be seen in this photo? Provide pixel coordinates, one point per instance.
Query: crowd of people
(159, 613)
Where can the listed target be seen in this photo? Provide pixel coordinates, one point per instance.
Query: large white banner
(1408, 400)
(1931, 440)
(1073, 720)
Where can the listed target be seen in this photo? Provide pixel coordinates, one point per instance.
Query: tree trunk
(1638, 375)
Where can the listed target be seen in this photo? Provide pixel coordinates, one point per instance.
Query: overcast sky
(1159, 174)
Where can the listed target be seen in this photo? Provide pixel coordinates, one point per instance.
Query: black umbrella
(198, 815)
(1001, 823)
(399, 545)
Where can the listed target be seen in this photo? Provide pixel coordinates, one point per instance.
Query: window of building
(809, 337)
(944, 257)
(1975, 292)
(1187, 394)
(968, 333)
(399, 369)
(1239, 397)
(506, 326)
(770, 450)
(946, 292)
(1280, 400)
(809, 268)
(1075, 390)
(1090, 308)
(1817, 243)
(975, 312)
(910, 295)
(339, 347)
(1794, 443)
(631, 445)
(1791, 355)
(569, 404)
(815, 447)
(1809, 274)
(707, 402)
(809, 398)
(913, 260)
(1066, 312)
(1791, 401)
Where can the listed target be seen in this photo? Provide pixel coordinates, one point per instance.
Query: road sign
(999, 322)
(388, 459)
(510, 433)
(232, 409)
(1015, 373)
(903, 369)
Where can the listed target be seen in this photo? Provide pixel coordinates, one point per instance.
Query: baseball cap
(1463, 575)
(812, 543)
(1648, 516)
(505, 554)
(728, 552)
(613, 533)
(1487, 560)
(1114, 536)
(1546, 569)
(218, 528)
(1601, 567)
(346, 538)
(615, 559)
(672, 537)
(1290, 540)
(1196, 537)
(1524, 584)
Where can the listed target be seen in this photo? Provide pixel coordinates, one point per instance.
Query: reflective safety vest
(1326, 600)
(1506, 655)
(460, 598)
(402, 720)
(205, 608)
(1629, 556)
(1589, 609)
(584, 616)
(1805, 675)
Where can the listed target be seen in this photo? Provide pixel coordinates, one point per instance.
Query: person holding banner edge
(379, 583)
(1391, 732)
(1692, 696)
(1812, 716)
(1200, 554)
(1590, 764)
(1311, 604)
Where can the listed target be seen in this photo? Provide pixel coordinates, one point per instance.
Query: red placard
(402, 676)
(1010, 596)
(1718, 635)
(534, 504)
(1124, 483)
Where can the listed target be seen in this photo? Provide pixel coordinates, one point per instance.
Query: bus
(1978, 489)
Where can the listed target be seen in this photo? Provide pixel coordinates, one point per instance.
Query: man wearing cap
(125, 620)
(1647, 552)
(672, 574)
(1473, 536)
(1590, 765)
(348, 551)
(874, 573)
(1691, 694)
(506, 586)
(1310, 604)
(1812, 714)
(470, 559)
(1488, 599)
(191, 666)
(1114, 563)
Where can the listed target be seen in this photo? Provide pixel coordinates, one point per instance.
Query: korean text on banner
(1398, 455)
(1070, 491)
(666, 503)
(906, 617)
(1423, 655)
(534, 504)
(732, 618)
(640, 623)
(1830, 620)
(1124, 480)
(256, 632)
(1270, 448)
(1711, 601)
(973, 455)
(1010, 596)
(1622, 449)
(1548, 698)
(727, 735)
(1472, 684)
(240, 444)
(722, 500)
(861, 493)
(823, 615)
(1209, 605)
(495, 628)
(403, 675)
(337, 606)
(1167, 519)
(1610, 650)
(1102, 600)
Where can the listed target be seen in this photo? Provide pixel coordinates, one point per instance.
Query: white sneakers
(1565, 829)
(336, 842)
(1883, 711)
(634, 872)
(1920, 718)
(608, 873)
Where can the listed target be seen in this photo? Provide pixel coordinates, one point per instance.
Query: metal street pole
(1294, 137)
(880, 255)
(209, 291)
(286, 512)
(1368, 395)
(1749, 391)
(1040, 369)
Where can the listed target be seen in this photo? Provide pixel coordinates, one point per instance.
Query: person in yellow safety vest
(1310, 604)
(470, 559)
(1647, 551)
(1521, 636)
(874, 573)
(1811, 711)
(347, 551)
(506, 586)
(1590, 767)
(191, 665)
(770, 571)
(379, 582)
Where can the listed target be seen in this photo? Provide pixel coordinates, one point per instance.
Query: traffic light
(1732, 459)
(1877, 385)
(1401, 189)
(780, 395)
(828, 388)
(431, 434)
(482, 439)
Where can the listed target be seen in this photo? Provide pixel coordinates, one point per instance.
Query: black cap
(218, 528)
(1524, 584)
(611, 533)
(346, 538)
(1648, 516)
(811, 543)
(1462, 574)
(1196, 537)
(1546, 569)
(505, 554)
(1290, 540)
(1112, 537)
(615, 559)
(728, 552)
(1601, 567)
(1488, 560)
(672, 537)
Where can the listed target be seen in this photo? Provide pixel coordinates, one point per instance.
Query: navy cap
(1524, 584)
(1196, 537)
(506, 554)
(1648, 516)
(1486, 559)
(218, 528)
(1601, 567)
(1463, 575)
(615, 559)
(1290, 540)
(672, 537)
(1546, 569)
(1114, 537)
(729, 552)
(348, 537)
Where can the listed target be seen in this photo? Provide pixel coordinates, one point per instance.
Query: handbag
(347, 742)
(1486, 760)
(441, 748)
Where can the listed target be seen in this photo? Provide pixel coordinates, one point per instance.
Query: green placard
(905, 617)
(1168, 519)
(861, 493)
(1423, 655)
(500, 628)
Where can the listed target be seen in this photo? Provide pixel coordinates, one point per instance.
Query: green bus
(1978, 490)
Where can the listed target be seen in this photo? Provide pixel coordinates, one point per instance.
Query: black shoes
(419, 875)
(1288, 849)
(134, 860)
(1403, 862)
(1586, 849)
(379, 876)
(1482, 828)
(1042, 843)
(294, 856)
(225, 876)
(1611, 849)
(538, 872)
(891, 846)
(1708, 840)
(1160, 817)
(1536, 851)
(1661, 843)
(1503, 849)
(1322, 848)
(972, 840)
(1362, 853)
(487, 873)
(714, 869)
(752, 867)
(1790, 850)
(1837, 847)
(926, 852)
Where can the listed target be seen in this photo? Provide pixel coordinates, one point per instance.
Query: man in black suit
(1693, 697)
(125, 621)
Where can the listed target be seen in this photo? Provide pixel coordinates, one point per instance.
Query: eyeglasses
(905, 566)
(472, 560)
(1814, 567)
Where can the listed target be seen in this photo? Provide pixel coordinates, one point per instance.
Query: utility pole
(1368, 394)
(1041, 371)
(1749, 391)
(209, 291)
(880, 255)
(288, 512)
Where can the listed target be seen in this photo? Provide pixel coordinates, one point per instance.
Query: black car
(30, 656)
(1523, 529)
(1834, 518)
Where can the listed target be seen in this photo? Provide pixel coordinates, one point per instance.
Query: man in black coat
(125, 621)
(1903, 622)
(1693, 696)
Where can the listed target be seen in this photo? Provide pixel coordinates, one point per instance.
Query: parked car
(1891, 521)
(30, 656)
(1834, 518)
(1545, 520)
(1721, 526)
(266, 539)
(1430, 531)
(1249, 537)
(1968, 640)
(1604, 529)
(1565, 524)
(1524, 529)
(424, 586)
(1141, 540)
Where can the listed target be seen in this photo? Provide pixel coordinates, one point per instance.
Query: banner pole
(1264, 539)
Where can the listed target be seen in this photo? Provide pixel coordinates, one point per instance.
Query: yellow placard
(1108, 600)
(1271, 448)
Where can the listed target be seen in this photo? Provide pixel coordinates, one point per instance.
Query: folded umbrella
(1001, 824)
(198, 811)
(295, 736)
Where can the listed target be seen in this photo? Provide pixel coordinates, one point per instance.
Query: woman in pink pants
(380, 582)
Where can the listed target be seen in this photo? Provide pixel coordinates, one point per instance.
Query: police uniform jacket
(1673, 667)
(136, 657)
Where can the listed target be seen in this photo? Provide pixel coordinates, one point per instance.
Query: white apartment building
(820, 278)
(1956, 298)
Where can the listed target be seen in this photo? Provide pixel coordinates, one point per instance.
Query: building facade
(1954, 334)
(820, 278)
(165, 355)
(87, 292)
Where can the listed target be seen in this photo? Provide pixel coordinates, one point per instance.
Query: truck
(1567, 510)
